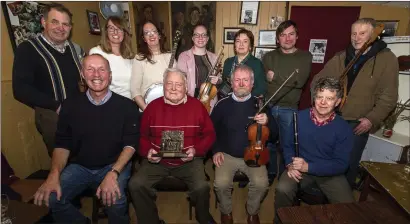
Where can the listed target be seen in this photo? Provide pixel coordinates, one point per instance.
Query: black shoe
(161, 221)
(271, 178)
(212, 221)
(242, 184)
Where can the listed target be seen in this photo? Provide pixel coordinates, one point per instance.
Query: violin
(208, 91)
(257, 154)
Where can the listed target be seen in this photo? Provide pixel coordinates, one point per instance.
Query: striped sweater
(190, 117)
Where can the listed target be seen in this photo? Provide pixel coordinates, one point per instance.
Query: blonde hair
(125, 48)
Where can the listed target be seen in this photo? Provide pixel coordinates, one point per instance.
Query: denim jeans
(359, 143)
(284, 119)
(74, 180)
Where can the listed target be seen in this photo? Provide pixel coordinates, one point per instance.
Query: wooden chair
(311, 196)
(26, 188)
(173, 184)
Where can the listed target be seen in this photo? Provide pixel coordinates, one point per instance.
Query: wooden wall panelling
(228, 14)
(219, 30)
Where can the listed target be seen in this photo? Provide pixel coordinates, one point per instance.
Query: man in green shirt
(279, 65)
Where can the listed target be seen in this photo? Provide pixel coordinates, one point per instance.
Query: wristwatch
(115, 171)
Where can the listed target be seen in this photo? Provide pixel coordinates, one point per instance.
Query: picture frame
(229, 34)
(275, 21)
(93, 22)
(185, 12)
(390, 27)
(259, 52)
(249, 13)
(267, 38)
(23, 20)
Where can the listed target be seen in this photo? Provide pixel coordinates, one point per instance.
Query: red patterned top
(321, 123)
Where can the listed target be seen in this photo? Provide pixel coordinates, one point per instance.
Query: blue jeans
(74, 180)
(284, 119)
(359, 143)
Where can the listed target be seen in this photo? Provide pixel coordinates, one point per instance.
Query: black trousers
(46, 123)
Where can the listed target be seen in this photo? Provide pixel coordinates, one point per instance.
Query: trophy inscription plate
(172, 143)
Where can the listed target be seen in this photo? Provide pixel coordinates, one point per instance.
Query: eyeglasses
(203, 35)
(112, 29)
(326, 99)
(151, 32)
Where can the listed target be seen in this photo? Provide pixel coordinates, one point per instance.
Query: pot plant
(395, 117)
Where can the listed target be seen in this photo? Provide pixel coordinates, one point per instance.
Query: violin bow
(377, 31)
(283, 84)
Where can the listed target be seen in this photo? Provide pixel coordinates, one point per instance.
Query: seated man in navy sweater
(97, 134)
(230, 117)
(325, 142)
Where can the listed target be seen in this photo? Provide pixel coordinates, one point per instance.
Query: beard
(242, 92)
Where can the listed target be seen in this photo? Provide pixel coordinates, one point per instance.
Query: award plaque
(172, 143)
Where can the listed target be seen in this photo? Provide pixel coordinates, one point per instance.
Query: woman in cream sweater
(149, 64)
(115, 46)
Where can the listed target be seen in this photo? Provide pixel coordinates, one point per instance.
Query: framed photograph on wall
(267, 38)
(259, 52)
(275, 22)
(390, 27)
(94, 22)
(23, 20)
(249, 13)
(229, 34)
(186, 15)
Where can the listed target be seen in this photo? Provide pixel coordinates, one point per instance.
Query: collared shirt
(321, 123)
(104, 100)
(183, 101)
(241, 100)
(56, 47)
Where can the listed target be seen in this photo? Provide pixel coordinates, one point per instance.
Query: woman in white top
(115, 46)
(149, 65)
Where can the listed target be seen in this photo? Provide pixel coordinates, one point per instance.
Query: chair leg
(94, 217)
(190, 208)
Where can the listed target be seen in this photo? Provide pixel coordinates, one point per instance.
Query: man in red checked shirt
(325, 142)
(174, 112)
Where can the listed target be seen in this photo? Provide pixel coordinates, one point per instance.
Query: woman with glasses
(197, 61)
(115, 46)
(244, 43)
(149, 64)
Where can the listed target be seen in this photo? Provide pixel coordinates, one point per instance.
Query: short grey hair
(329, 83)
(243, 68)
(175, 70)
(369, 21)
